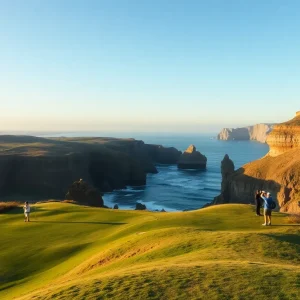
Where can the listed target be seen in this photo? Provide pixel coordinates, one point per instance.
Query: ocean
(177, 190)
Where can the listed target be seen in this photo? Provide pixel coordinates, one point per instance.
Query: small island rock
(140, 206)
(192, 159)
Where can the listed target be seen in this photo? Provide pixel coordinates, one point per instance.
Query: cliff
(277, 172)
(45, 168)
(258, 132)
(285, 136)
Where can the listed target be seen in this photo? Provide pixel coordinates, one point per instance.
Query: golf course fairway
(73, 252)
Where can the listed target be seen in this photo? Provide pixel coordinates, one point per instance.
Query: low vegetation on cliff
(77, 252)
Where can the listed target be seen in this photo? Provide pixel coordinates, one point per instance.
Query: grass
(294, 219)
(78, 252)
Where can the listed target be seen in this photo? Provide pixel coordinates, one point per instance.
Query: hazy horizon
(159, 66)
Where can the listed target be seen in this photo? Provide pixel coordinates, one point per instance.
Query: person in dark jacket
(258, 202)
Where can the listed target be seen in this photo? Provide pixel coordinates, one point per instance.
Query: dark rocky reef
(192, 159)
(45, 168)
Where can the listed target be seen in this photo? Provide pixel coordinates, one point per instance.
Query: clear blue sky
(150, 65)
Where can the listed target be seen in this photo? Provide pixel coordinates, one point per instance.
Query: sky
(147, 66)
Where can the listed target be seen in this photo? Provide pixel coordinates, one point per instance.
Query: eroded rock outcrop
(278, 172)
(258, 132)
(82, 192)
(227, 168)
(192, 159)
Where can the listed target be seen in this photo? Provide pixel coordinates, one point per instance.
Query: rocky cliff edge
(277, 172)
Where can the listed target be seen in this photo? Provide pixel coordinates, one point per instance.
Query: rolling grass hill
(77, 252)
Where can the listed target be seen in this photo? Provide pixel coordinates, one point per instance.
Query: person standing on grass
(267, 198)
(26, 208)
(258, 202)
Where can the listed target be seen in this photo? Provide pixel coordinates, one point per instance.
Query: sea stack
(227, 168)
(192, 159)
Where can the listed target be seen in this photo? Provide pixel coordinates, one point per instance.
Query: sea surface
(177, 190)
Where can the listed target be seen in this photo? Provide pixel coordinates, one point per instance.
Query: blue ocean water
(176, 190)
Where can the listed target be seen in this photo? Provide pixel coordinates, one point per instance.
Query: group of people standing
(264, 199)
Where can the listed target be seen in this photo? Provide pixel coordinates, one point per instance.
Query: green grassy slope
(76, 252)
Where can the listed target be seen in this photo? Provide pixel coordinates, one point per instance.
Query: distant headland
(258, 132)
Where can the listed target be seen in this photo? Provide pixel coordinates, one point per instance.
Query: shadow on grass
(78, 222)
(280, 225)
(289, 238)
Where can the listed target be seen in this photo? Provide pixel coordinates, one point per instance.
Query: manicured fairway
(77, 252)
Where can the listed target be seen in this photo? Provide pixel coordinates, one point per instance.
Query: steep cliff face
(230, 134)
(278, 172)
(45, 168)
(258, 132)
(285, 136)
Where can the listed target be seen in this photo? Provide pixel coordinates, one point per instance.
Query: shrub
(7, 206)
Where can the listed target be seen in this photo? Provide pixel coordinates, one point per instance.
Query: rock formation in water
(140, 206)
(227, 168)
(83, 193)
(45, 168)
(258, 132)
(192, 159)
(278, 172)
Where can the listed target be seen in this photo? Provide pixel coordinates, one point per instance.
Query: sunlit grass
(78, 252)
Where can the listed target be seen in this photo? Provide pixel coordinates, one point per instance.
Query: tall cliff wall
(31, 166)
(285, 136)
(258, 132)
(278, 172)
